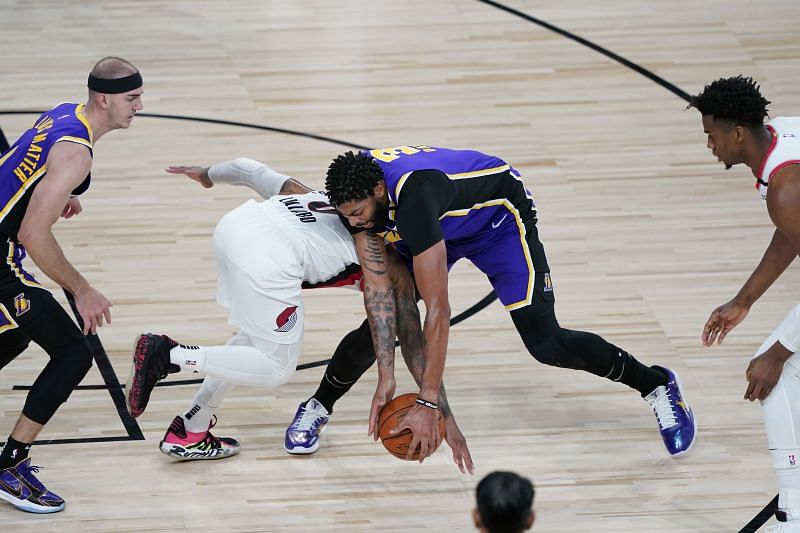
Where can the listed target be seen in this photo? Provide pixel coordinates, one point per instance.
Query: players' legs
(243, 360)
(352, 357)
(516, 265)
(38, 317)
(782, 419)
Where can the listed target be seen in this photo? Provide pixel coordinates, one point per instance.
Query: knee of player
(79, 356)
(555, 351)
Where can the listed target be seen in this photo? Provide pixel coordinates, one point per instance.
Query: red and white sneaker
(186, 446)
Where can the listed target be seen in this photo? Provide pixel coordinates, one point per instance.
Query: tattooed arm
(379, 301)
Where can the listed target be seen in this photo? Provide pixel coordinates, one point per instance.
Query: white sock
(205, 403)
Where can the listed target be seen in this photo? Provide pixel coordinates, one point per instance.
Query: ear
(379, 190)
(476, 519)
(740, 134)
(531, 518)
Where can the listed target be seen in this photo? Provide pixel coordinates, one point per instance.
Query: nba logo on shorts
(548, 283)
(21, 304)
(287, 319)
(792, 460)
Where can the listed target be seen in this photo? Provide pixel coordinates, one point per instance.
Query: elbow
(25, 235)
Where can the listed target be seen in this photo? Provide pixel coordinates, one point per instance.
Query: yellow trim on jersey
(15, 270)
(525, 250)
(463, 175)
(21, 192)
(82, 117)
(478, 173)
(12, 323)
(8, 154)
(400, 183)
(85, 142)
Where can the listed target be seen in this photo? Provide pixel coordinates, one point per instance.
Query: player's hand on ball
(423, 423)
(458, 444)
(383, 395)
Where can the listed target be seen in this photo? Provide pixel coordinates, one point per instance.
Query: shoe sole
(176, 451)
(298, 450)
(129, 388)
(694, 418)
(25, 505)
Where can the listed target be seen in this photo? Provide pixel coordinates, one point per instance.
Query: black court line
(596, 47)
(480, 305)
(226, 123)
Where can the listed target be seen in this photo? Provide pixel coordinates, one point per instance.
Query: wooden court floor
(645, 232)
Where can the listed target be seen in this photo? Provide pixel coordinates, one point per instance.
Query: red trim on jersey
(769, 152)
(782, 165)
(352, 279)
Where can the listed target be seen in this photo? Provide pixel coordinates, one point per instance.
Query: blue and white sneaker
(302, 436)
(676, 420)
(20, 488)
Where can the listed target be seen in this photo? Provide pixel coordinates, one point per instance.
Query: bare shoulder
(783, 200)
(69, 154)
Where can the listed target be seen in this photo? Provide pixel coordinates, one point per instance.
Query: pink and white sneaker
(186, 446)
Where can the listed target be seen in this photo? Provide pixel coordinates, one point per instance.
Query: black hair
(352, 177)
(505, 502)
(736, 100)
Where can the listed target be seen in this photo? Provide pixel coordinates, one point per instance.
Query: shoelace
(662, 407)
(306, 421)
(27, 473)
(209, 439)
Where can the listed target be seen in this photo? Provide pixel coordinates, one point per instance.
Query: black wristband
(426, 403)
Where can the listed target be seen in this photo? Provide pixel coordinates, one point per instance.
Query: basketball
(391, 416)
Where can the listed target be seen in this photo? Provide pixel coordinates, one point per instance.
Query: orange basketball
(391, 416)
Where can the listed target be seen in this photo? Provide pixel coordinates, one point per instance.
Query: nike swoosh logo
(495, 226)
(21, 492)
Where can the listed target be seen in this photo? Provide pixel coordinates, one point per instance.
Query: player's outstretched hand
(198, 174)
(383, 395)
(423, 423)
(458, 444)
(722, 320)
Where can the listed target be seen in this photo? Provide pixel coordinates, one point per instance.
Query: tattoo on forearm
(375, 260)
(381, 315)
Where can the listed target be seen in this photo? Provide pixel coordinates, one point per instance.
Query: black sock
(626, 369)
(330, 390)
(13, 452)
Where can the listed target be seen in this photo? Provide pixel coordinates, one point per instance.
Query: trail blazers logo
(287, 319)
(21, 304)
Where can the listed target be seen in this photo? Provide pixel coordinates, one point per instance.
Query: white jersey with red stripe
(267, 252)
(784, 150)
(330, 258)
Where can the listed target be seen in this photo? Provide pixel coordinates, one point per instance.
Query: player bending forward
(267, 252)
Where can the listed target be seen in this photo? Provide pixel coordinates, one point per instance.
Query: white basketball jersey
(329, 253)
(784, 150)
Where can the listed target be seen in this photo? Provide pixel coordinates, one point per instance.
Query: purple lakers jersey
(25, 163)
(484, 185)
